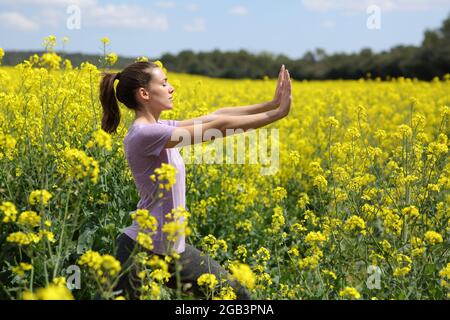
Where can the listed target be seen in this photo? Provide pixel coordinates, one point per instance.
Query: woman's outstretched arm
(256, 108)
(226, 125)
(242, 110)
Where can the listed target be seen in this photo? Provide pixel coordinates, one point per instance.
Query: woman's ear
(143, 94)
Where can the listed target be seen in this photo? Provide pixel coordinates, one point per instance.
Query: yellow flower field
(359, 208)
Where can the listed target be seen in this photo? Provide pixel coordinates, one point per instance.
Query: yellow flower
(310, 262)
(7, 146)
(349, 293)
(332, 122)
(294, 251)
(20, 269)
(355, 223)
(52, 292)
(159, 64)
(210, 245)
(445, 272)
(145, 220)
(47, 234)
(76, 164)
(102, 139)
(315, 238)
(145, 240)
(105, 40)
(50, 60)
(111, 58)
(160, 275)
(262, 255)
(297, 228)
(320, 182)
(411, 211)
(277, 219)
(401, 271)
(2, 54)
(391, 221)
(166, 173)
(404, 130)
(243, 274)
(9, 211)
(59, 281)
(177, 224)
(302, 201)
(22, 238)
(433, 238)
(207, 280)
(278, 194)
(155, 291)
(330, 274)
(29, 218)
(245, 225)
(226, 293)
(241, 252)
(105, 266)
(39, 197)
(49, 42)
(141, 59)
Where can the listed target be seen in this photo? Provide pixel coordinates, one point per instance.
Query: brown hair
(136, 75)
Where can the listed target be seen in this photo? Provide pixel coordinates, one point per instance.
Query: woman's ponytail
(111, 112)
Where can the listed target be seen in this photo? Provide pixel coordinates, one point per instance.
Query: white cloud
(15, 20)
(198, 25)
(192, 7)
(53, 13)
(239, 10)
(385, 5)
(125, 16)
(52, 17)
(166, 4)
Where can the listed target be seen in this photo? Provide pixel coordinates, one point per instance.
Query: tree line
(430, 59)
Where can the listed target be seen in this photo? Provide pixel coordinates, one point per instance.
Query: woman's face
(160, 91)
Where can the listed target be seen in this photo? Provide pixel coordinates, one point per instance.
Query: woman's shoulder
(144, 131)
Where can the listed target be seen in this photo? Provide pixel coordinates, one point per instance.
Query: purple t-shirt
(144, 150)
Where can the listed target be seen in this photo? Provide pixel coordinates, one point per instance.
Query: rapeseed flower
(207, 280)
(29, 218)
(39, 197)
(22, 268)
(355, 223)
(244, 274)
(52, 292)
(9, 211)
(349, 293)
(433, 237)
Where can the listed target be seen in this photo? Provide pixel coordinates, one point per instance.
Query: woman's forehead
(158, 74)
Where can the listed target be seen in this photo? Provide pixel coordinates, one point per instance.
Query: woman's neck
(146, 117)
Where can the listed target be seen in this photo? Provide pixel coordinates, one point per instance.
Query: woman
(144, 88)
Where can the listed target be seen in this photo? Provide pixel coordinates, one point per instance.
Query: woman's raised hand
(277, 98)
(286, 94)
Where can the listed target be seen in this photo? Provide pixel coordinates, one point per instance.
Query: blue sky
(150, 28)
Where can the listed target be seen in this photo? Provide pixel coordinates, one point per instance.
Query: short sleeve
(151, 139)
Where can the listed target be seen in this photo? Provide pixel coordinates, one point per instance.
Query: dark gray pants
(193, 266)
